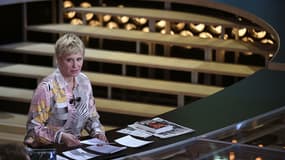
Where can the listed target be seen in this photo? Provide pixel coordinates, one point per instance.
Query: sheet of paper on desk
(100, 146)
(105, 148)
(92, 141)
(130, 141)
(79, 154)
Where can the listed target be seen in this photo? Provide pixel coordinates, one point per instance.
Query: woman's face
(70, 64)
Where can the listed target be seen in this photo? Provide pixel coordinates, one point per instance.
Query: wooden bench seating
(103, 105)
(208, 44)
(115, 81)
(13, 126)
(126, 58)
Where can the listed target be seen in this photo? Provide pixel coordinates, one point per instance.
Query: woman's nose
(74, 64)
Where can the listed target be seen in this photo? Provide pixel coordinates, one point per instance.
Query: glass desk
(267, 130)
(206, 149)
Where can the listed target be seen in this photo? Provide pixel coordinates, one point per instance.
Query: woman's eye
(68, 60)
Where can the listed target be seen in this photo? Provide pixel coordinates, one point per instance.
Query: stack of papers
(155, 125)
(138, 131)
(132, 130)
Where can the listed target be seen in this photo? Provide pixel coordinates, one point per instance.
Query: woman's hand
(70, 140)
(102, 137)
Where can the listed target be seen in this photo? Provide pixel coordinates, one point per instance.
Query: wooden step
(103, 105)
(149, 38)
(13, 123)
(115, 81)
(11, 138)
(127, 58)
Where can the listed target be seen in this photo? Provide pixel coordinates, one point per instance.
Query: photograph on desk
(157, 126)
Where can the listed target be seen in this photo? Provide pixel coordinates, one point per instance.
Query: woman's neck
(70, 81)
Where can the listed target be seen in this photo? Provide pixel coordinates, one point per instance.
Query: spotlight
(226, 36)
(130, 26)
(216, 29)
(70, 14)
(197, 27)
(85, 4)
(94, 23)
(234, 141)
(139, 21)
(232, 156)
(242, 32)
(107, 18)
(120, 6)
(247, 39)
(205, 35)
(76, 21)
(260, 145)
(178, 26)
(160, 24)
(67, 4)
(163, 31)
(122, 19)
(267, 41)
(258, 158)
(239, 32)
(186, 33)
(112, 25)
(88, 16)
(247, 53)
(250, 40)
(146, 29)
(258, 34)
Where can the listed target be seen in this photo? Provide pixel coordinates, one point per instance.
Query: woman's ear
(55, 61)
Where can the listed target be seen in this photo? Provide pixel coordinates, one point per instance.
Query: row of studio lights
(184, 29)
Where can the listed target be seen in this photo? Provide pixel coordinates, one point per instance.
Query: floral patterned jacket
(54, 110)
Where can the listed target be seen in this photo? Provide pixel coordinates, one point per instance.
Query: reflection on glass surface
(206, 149)
(266, 130)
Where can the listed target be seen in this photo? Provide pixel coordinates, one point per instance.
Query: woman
(63, 104)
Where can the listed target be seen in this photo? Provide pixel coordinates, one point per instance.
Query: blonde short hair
(69, 43)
